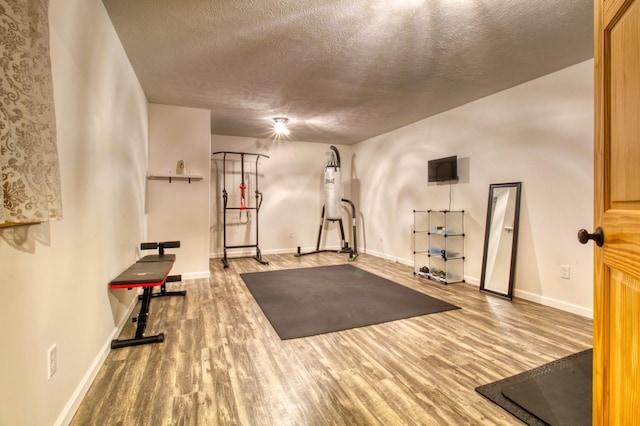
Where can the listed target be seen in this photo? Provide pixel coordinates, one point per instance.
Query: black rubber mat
(309, 301)
(558, 393)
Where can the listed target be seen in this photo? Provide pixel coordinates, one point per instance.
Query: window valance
(30, 175)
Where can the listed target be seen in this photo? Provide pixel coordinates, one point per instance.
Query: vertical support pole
(144, 312)
(224, 211)
(343, 240)
(258, 255)
(243, 188)
(353, 253)
(320, 230)
(258, 202)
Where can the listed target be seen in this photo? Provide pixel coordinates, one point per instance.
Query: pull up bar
(240, 153)
(224, 168)
(243, 206)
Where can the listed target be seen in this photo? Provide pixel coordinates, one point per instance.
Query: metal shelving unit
(438, 245)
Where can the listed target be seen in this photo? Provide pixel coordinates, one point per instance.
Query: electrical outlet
(291, 235)
(52, 364)
(565, 272)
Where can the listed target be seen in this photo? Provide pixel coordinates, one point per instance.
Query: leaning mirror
(501, 238)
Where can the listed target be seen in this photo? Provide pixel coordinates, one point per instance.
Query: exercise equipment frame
(148, 272)
(353, 252)
(225, 197)
(334, 163)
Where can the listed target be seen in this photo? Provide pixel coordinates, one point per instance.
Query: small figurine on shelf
(181, 168)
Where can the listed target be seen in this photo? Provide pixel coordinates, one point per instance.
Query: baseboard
(196, 275)
(553, 303)
(252, 252)
(236, 253)
(472, 280)
(295, 250)
(389, 258)
(542, 300)
(81, 390)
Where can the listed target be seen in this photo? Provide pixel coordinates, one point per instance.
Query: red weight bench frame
(148, 272)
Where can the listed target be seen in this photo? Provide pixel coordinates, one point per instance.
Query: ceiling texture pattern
(342, 71)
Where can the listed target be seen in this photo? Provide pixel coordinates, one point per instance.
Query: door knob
(597, 236)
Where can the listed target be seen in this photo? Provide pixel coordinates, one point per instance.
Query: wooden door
(616, 386)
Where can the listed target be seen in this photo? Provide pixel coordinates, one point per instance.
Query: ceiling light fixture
(280, 126)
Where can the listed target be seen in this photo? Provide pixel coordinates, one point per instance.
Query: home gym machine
(332, 211)
(243, 208)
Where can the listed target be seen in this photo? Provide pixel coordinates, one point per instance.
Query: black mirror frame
(514, 247)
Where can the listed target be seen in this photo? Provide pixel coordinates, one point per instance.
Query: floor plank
(223, 364)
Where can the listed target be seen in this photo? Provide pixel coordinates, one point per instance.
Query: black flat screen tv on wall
(443, 169)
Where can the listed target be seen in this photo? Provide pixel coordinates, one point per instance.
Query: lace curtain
(28, 150)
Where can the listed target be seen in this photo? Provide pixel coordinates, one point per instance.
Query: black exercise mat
(558, 393)
(309, 301)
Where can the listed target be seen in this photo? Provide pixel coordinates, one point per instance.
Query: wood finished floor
(223, 364)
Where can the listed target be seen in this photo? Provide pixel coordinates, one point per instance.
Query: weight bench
(148, 272)
(161, 256)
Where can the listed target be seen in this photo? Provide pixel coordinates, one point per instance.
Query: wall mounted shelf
(171, 176)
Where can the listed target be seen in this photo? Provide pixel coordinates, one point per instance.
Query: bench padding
(157, 258)
(147, 272)
(143, 274)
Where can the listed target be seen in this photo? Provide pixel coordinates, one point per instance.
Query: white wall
(54, 276)
(291, 181)
(539, 133)
(180, 210)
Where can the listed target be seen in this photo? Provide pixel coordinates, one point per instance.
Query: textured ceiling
(343, 71)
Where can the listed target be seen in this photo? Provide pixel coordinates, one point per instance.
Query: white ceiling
(343, 71)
